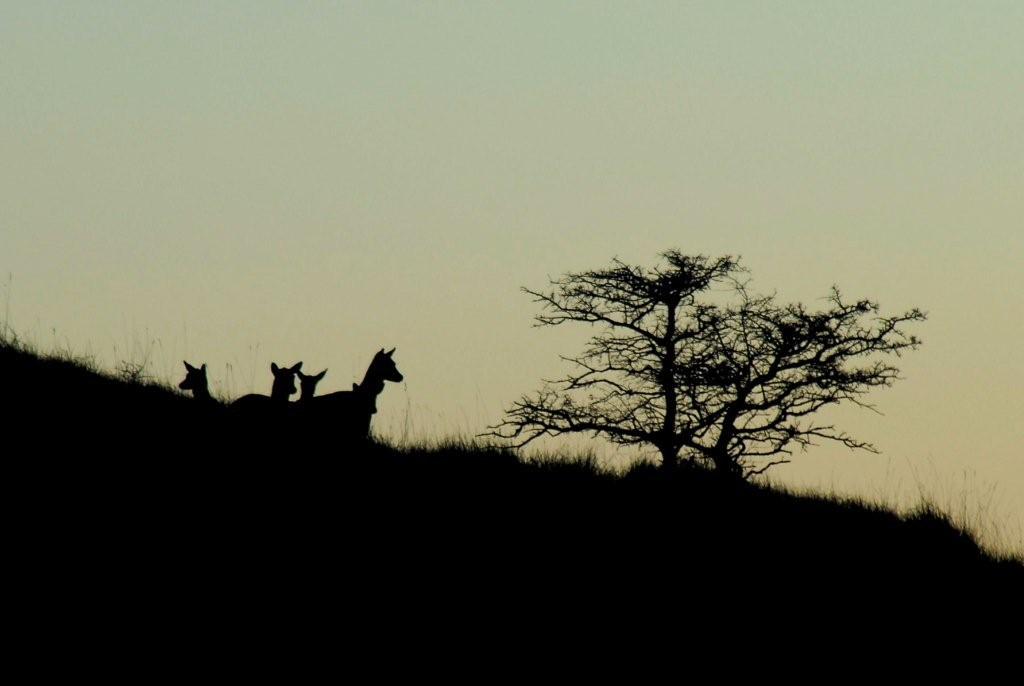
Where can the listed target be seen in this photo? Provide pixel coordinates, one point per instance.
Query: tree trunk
(669, 458)
(668, 388)
(724, 465)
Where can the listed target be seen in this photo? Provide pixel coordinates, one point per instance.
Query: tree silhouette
(689, 361)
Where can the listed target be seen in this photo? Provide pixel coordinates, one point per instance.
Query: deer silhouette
(283, 387)
(350, 412)
(195, 381)
(308, 382)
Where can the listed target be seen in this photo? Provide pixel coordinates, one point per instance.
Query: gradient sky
(236, 183)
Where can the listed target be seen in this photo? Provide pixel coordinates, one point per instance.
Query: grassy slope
(116, 475)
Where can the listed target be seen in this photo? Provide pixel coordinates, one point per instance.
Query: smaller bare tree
(717, 384)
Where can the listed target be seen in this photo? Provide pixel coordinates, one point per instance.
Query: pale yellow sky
(248, 182)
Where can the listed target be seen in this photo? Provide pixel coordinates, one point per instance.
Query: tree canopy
(692, 362)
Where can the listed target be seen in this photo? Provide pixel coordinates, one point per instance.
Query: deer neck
(279, 393)
(373, 383)
(371, 386)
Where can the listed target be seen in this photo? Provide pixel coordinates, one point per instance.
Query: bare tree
(715, 376)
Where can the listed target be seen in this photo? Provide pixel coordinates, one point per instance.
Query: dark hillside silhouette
(136, 504)
(134, 491)
(51, 406)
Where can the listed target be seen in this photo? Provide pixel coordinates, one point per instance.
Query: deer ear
(274, 368)
(390, 352)
(321, 375)
(203, 370)
(296, 367)
(189, 367)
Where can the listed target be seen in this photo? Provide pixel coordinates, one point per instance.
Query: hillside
(109, 474)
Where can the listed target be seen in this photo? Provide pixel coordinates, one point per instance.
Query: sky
(241, 183)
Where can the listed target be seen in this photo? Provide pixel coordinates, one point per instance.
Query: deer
(284, 386)
(351, 411)
(195, 381)
(308, 382)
